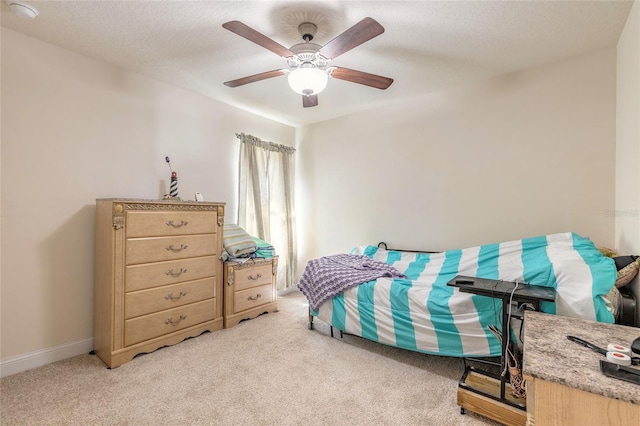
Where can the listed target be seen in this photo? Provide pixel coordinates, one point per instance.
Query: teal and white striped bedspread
(421, 313)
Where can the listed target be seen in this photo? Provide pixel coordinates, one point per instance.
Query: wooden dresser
(250, 289)
(158, 275)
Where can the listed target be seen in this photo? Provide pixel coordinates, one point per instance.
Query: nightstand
(249, 289)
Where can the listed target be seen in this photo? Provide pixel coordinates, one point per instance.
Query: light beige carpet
(271, 370)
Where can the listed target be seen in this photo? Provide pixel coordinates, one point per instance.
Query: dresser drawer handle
(170, 320)
(252, 278)
(254, 298)
(176, 250)
(171, 296)
(175, 274)
(177, 225)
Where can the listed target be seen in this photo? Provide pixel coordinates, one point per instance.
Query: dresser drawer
(249, 298)
(171, 296)
(157, 249)
(150, 224)
(148, 275)
(149, 326)
(252, 276)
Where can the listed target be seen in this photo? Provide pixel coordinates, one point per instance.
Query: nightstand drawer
(247, 276)
(149, 326)
(157, 249)
(256, 296)
(158, 299)
(149, 275)
(151, 224)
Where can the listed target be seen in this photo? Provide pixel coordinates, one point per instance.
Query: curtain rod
(271, 146)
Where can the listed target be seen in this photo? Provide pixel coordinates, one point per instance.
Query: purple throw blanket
(329, 276)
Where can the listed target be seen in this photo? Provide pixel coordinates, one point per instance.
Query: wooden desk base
(550, 403)
(480, 404)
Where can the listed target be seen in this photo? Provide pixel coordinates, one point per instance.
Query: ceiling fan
(309, 68)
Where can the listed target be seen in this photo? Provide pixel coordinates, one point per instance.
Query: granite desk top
(550, 356)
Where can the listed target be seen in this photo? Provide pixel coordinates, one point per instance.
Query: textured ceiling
(427, 45)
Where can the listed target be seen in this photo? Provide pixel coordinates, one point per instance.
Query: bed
(413, 308)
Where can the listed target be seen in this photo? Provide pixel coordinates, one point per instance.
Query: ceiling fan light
(307, 81)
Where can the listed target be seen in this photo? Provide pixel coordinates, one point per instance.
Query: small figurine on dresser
(173, 187)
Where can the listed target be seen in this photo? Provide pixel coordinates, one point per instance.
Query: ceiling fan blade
(363, 31)
(360, 77)
(256, 37)
(253, 78)
(309, 101)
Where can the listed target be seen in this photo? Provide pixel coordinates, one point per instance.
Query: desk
(564, 383)
(481, 391)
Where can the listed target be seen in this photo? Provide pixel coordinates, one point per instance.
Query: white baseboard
(20, 363)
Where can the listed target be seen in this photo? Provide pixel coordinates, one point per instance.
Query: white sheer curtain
(265, 203)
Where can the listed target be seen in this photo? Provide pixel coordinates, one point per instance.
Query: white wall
(627, 211)
(525, 154)
(73, 130)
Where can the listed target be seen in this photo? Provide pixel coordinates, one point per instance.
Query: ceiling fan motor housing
(307, 53)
